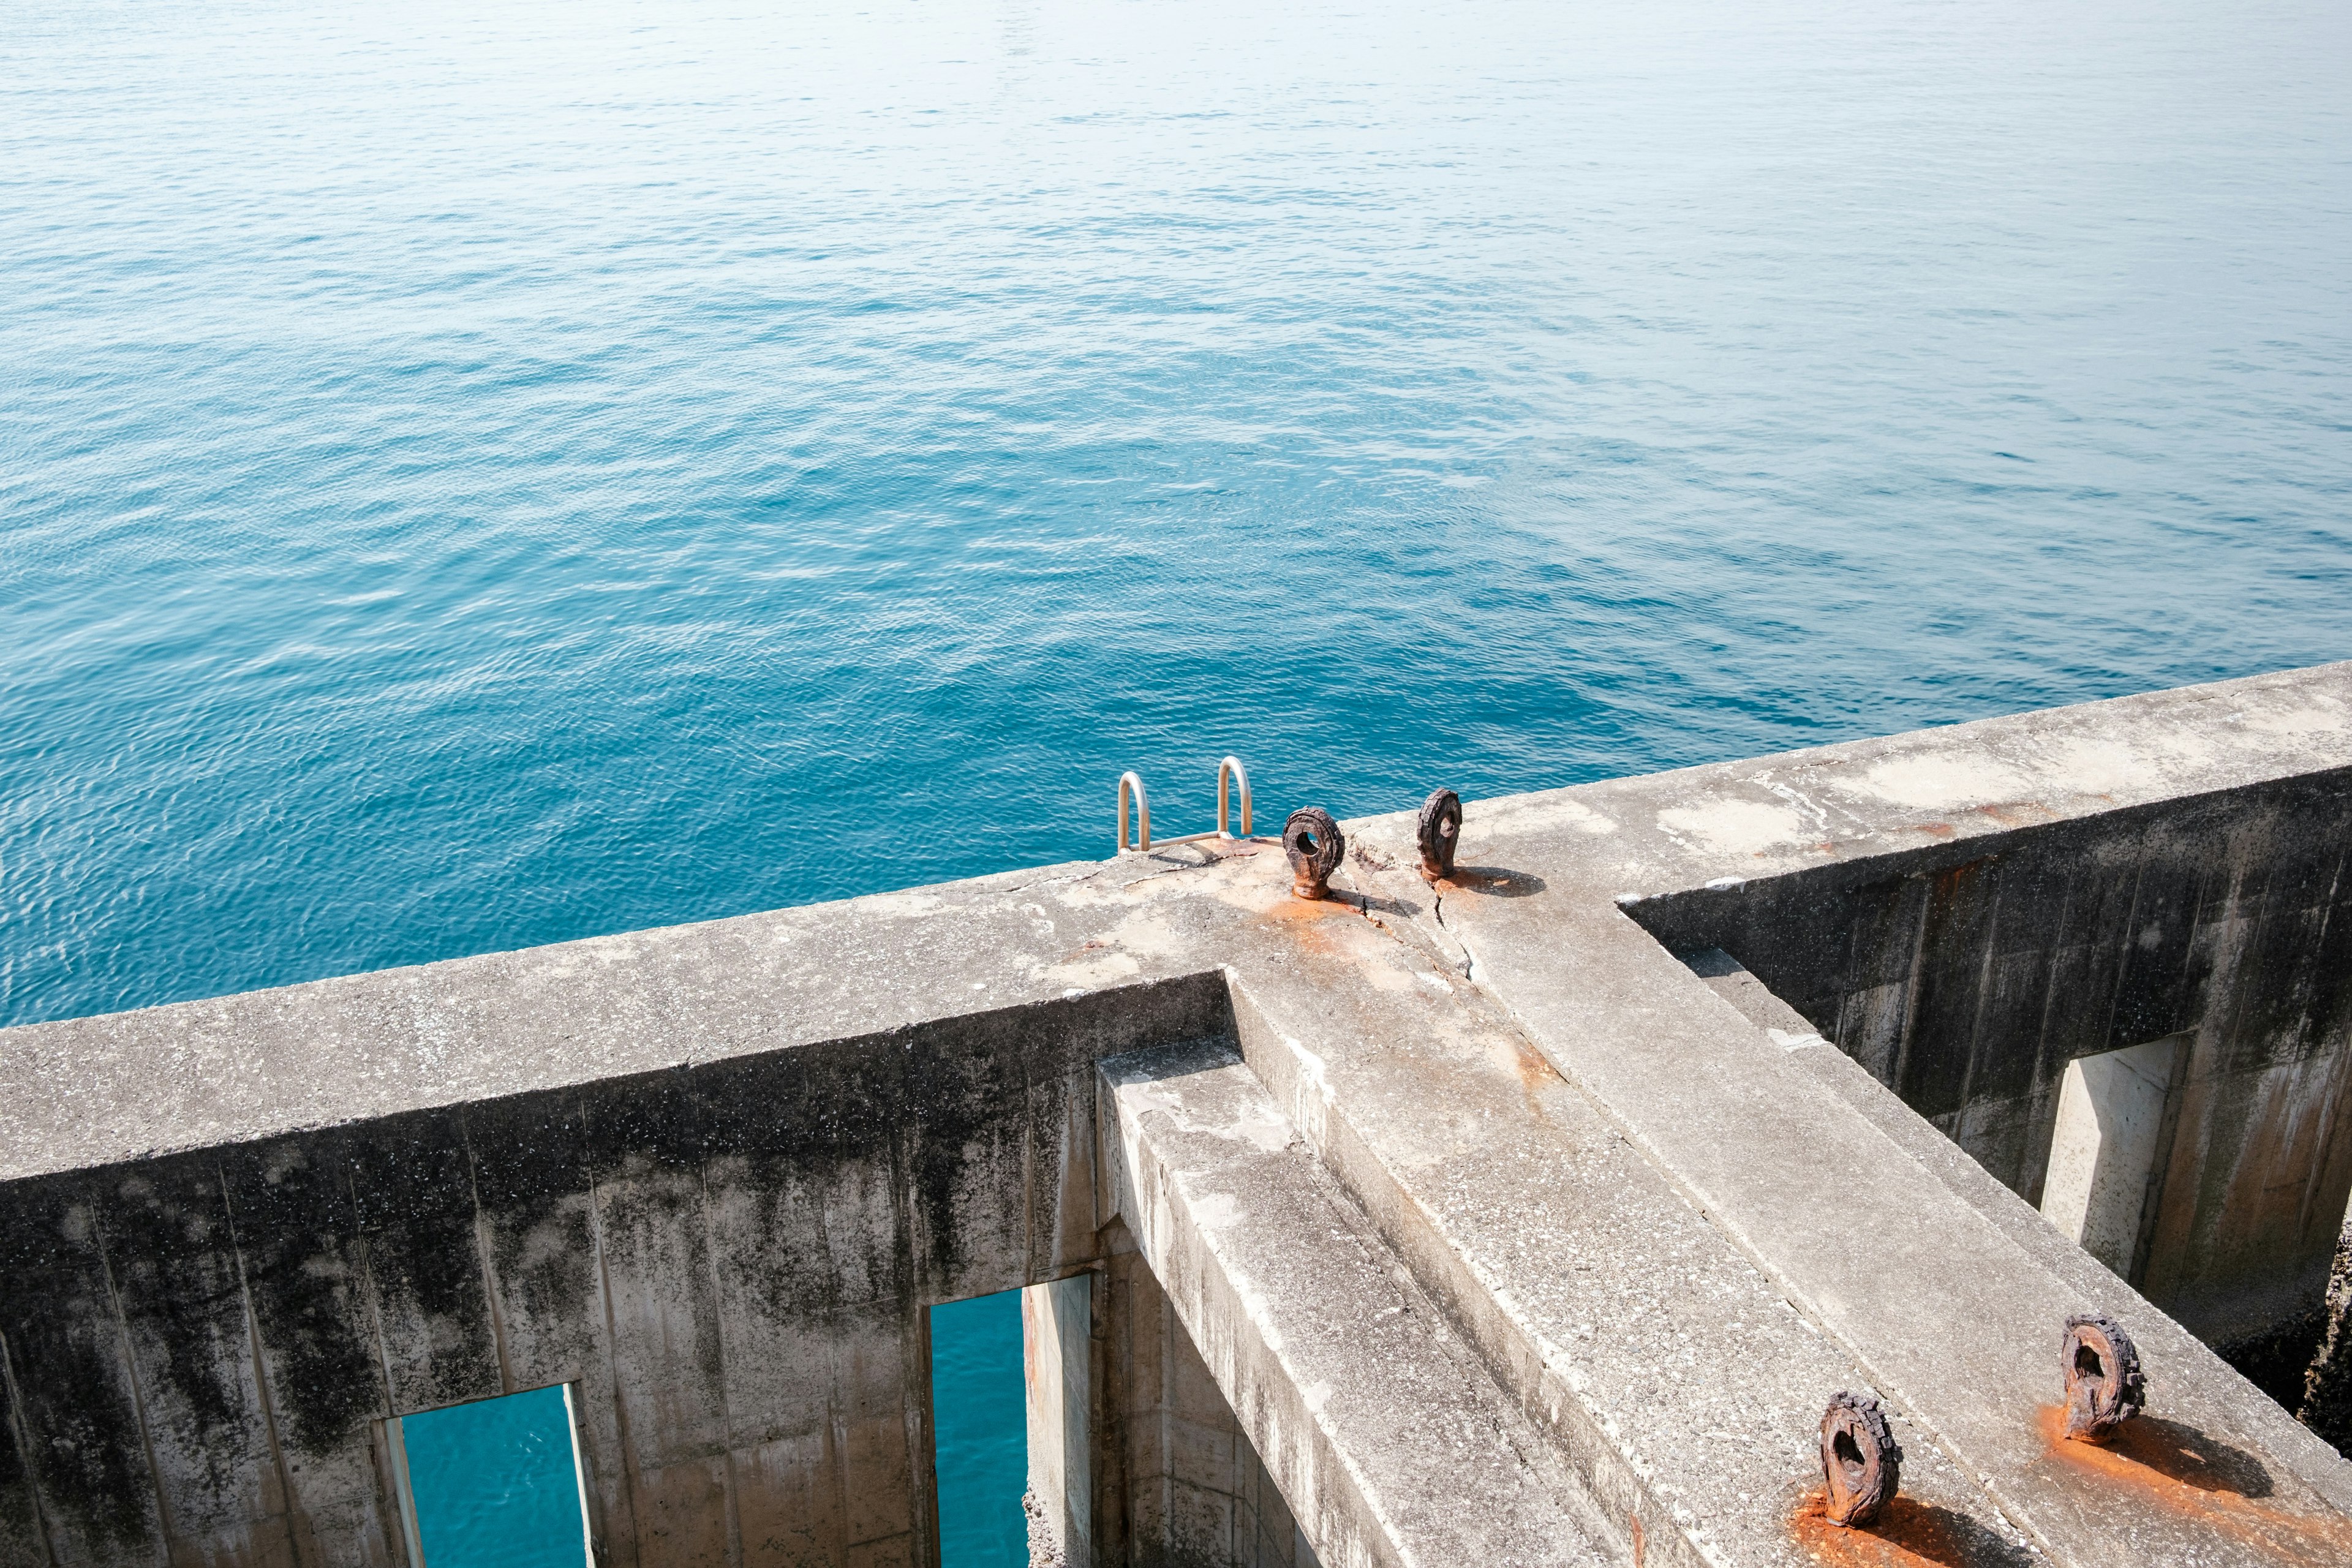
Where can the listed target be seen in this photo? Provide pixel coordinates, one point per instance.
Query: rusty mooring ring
(1439, 830)
(1312, 841)
(2104, 1387)
(1860, 1461)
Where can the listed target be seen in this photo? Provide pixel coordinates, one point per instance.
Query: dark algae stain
(71, 1396)
(171, 1256)
(296, 1229)
(412, 1189)
(530, 1174)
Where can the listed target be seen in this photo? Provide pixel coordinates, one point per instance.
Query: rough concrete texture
(2326, 1406)
(1500, 1229)
(1968, 978)
(1371, 1418)
(1058, 1377)
(728, 1258)
(1178, 1481)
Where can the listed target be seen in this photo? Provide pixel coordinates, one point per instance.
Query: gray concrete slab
(1681, 1386)
(1949, 1313)
(1385, 1434)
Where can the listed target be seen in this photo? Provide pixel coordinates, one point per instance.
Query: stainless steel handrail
(1134, 780)
(1231, 770)
(1232, 777)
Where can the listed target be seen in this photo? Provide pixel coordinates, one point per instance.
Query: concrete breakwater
(1527, 1215)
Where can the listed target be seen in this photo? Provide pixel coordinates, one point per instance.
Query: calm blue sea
(495, 1483)
(979, 1430)
(475, 476)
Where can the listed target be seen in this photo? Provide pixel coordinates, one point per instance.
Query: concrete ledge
(1674, 1380)
(1387, 1441)
(1949, 1313)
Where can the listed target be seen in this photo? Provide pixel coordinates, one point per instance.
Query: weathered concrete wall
(2326, 1406)
(1967, 977)
(1057, 1324)
(1180, 1475)
(1503, 1236)
(730, 1261)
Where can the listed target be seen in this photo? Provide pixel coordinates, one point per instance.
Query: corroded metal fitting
(1860, 1461)
(1440, 831)
(1312, 841)
(2104, 1385)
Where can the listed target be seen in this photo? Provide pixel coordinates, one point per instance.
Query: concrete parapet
(1528, 1215)
(1386, 1438)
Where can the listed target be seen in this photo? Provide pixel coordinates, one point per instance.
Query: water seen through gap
(476, 477)
(979, 1422)
(495, 1482)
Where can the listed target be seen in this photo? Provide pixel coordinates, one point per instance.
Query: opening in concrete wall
(496, 1482)
(2106, 1148)
(979, 1458)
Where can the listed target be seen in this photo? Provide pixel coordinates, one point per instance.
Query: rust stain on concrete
(1535, 1072)
(2171, 1470)
(1905, 1534)
(2021, 812)
(1290, 910)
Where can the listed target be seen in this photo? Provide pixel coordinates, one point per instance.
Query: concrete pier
(1531, 1216)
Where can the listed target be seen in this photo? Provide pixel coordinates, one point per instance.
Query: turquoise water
(979, 1421)
(494, 1484)
(474, 476)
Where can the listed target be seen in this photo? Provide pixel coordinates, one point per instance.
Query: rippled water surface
(480, 476)
(980, 1432)
(494, 1484)
(473, 476)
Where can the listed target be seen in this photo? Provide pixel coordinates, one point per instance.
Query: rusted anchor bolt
(1860, 1460)
(1312, 841)
(2104, 1385)
(1440, 830)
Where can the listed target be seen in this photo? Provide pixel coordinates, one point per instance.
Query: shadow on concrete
(1939, 1535)
(1369, 903)
(1907, 1533)
(2280, 1362)
(1495, 882)
(2185, 1454)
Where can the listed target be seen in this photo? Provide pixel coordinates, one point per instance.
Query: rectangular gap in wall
(980, 1432)
(497, 1481)
(2107, 1147)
